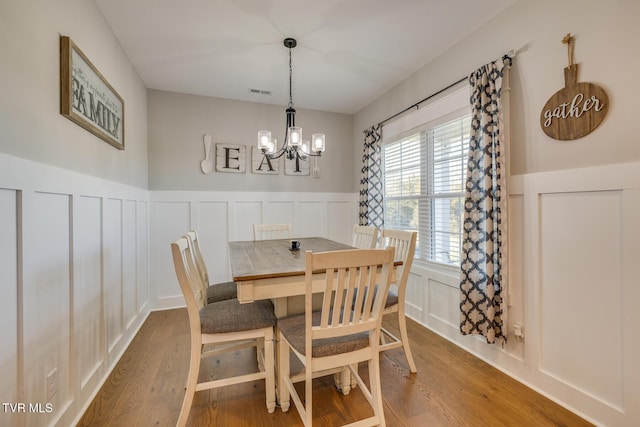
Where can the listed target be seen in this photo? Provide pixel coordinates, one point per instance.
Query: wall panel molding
(574, 243)
(77, 267)
(221, 217)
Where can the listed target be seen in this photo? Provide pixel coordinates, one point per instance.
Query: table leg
(280, 310)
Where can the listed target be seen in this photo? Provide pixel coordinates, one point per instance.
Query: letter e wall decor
(231, 158)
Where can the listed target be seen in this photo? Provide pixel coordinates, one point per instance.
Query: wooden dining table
(269, 269)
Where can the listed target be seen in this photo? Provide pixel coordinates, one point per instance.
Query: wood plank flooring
(451, 388)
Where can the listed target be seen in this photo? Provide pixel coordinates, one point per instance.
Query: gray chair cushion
(392, 297)
(293, 330)
(222, 291)
(231, 316)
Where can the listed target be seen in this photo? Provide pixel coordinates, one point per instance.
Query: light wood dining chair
(220, 327)
(214, 291)
(342, 333)
(364, 237)
(271, 231)
(405, 246)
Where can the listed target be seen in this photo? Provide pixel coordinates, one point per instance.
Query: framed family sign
(87, 98)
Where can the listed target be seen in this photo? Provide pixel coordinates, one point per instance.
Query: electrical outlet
(518, 331)
(52, 384)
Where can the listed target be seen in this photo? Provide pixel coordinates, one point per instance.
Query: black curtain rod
(507, 56)
(417, 104)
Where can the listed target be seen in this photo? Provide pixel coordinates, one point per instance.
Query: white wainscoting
(221, 217)
(74, 292)
(77, 255)
(574, 285)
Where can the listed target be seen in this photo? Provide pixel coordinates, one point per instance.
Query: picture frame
(87, 98)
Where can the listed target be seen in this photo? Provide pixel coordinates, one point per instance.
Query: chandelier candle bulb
(295, 136)
(264, 139)
(318, 142)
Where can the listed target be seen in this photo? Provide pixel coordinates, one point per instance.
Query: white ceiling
(349, 51)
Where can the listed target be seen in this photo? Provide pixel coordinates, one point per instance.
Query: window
(424, 177)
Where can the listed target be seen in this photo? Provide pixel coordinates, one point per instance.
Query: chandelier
(293, 147)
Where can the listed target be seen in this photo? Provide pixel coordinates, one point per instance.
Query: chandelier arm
(319, 154)
(277, 154)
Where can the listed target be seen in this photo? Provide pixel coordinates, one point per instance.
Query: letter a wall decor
(577, 109)
(262, 164)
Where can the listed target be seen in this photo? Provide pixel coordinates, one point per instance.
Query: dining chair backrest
(213, 291)
(271, 231)
(188, 277)
(364, 237)
(348, 276)
(405, 243)
(201, 267)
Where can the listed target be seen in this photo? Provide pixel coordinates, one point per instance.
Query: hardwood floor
(451, 388)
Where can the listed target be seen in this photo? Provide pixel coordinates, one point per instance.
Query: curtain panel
(371, 207)
(483, 264)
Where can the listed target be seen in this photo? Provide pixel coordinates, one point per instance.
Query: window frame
(422, 121)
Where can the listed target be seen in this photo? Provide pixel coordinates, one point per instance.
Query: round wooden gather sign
(574, 111)
(577, 109)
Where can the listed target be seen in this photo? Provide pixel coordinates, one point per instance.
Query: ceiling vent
(260, 92)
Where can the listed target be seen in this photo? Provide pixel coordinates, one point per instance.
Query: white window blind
(424, 176)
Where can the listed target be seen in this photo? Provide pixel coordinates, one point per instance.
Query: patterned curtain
(483, 264)
(371, 209)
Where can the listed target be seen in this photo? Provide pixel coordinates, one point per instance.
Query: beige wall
(605, 37)
(30, 123)
(177, 123)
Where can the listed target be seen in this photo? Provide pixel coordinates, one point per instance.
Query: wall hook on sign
(577, 109)
(568, 39)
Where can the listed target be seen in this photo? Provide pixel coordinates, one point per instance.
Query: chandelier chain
(290, 81)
